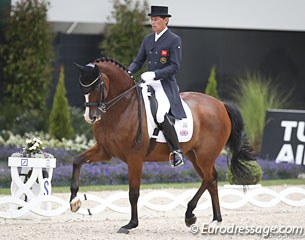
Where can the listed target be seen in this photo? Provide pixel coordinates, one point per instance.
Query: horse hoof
(214, 223)
(75, 204)
(190, 221)
(123, 230)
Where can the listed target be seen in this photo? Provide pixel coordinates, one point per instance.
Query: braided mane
(117, 63)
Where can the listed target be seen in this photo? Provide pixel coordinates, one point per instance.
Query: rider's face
(158, 24)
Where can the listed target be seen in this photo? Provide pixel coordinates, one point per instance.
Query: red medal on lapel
(164, 53)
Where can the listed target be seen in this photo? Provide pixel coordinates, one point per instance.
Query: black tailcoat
(163, 58)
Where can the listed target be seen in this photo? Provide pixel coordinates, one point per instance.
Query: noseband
(101, 104)
(104, 105)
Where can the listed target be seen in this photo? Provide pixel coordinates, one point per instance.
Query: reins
(106, 105)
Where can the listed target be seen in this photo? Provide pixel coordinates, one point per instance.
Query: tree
(211, 88)
(123, 39)
(60, 120)
(27, 54)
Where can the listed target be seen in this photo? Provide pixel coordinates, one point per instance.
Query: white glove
(148, 77)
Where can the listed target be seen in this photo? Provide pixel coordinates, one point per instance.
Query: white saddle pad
(184, 127)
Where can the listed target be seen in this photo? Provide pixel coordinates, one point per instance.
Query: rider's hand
(148, 77)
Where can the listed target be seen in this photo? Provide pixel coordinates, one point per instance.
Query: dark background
(273, 138)
(276, 54)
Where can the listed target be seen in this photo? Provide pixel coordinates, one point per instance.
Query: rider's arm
(140, 59)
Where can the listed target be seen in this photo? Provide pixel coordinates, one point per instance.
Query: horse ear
(79, 67)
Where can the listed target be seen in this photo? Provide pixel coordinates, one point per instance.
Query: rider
(162, 50)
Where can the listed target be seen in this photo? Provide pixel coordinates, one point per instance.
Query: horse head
(95, 80)
(93, 85)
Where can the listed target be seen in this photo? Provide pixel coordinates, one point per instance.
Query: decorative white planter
(27, 187)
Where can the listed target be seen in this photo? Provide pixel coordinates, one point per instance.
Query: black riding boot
(176, 156)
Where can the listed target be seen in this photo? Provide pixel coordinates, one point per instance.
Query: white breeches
(163, 102)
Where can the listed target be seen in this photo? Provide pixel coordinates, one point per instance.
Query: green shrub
(27, 55)
(18, 120)
(80, 126)
(255, 94)
(211, 88)
(60, 119)
(254, 178)
(123, 39)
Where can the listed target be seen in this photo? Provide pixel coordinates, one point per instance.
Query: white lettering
(300, 132)
(299, 154)
(285, 154)
(288, 125)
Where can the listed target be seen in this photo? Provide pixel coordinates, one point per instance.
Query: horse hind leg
(209, 181)
(213, 190)
(190, 218)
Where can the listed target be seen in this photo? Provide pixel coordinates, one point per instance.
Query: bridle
(103, 105)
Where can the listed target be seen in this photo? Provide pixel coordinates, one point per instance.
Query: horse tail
(239, 145)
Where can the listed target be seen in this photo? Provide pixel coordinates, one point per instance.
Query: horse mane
(117, 63)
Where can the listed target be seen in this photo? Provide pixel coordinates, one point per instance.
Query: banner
(284, 136)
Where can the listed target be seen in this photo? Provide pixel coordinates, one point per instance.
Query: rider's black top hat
(161, 11)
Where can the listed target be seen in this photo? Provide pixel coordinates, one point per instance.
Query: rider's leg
(176, 157)
(170, 134)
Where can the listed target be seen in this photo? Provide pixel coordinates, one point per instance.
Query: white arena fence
(50, 206)
(32, 193)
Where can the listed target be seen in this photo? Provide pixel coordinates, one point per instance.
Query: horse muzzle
(90, 118)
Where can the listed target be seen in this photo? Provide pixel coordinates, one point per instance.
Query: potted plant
(246, 181)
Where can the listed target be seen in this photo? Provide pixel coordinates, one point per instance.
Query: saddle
(184, 127)
(154, 106)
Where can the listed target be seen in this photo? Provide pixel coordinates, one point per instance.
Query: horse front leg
(134, 176)
(94, 154)
(77, 164)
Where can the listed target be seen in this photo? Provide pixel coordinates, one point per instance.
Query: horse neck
(119, 82)
(119, 79)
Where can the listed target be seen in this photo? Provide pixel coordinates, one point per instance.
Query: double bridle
(104, 105)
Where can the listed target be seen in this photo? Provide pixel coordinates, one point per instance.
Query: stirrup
(176, 159)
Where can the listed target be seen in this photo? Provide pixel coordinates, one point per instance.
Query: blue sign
(46, 187)
(24, 162)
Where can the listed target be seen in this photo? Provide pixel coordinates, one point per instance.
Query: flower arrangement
(33, 148)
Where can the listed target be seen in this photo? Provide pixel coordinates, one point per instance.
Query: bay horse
(113, 106)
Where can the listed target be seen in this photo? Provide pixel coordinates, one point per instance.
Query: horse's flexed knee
(113, 105)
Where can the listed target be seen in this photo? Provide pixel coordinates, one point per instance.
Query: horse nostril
(93, 119)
